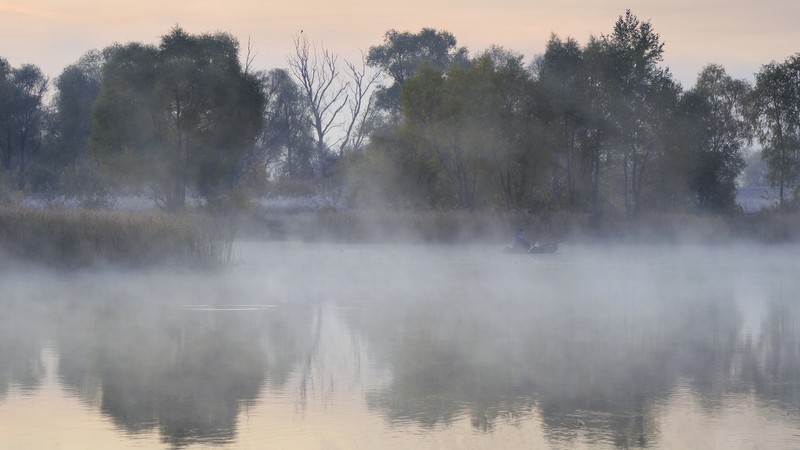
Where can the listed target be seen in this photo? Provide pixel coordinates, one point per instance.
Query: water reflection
(771, 364)
(597, 362)
(588, 363)
(149, 363)
(21, 341)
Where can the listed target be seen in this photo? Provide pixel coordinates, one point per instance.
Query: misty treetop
(402, 53)
(176, 116)
(22, 118)
(775, 113)
(600, 127)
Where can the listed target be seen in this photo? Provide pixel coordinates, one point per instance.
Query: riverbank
(456, 227)
(74, 237)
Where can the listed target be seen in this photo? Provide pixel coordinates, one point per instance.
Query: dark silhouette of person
(521, 241)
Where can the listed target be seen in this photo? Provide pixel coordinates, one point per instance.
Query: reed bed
(68, 237)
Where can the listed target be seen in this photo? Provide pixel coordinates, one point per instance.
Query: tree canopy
(599, 127)
(402, 53)
(775, 112)
(177, 116)
(22, 116)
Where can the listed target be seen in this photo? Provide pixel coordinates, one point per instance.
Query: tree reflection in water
(772, 364)
(599, 365)
(148, 362)
(592, 363)
(21, 339)
(187, 372)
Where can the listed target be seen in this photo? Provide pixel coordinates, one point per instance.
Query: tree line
(415, 123)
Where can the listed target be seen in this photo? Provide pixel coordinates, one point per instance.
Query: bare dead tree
(249, 57)
(340, 100)
(361, 105)
(318, 73)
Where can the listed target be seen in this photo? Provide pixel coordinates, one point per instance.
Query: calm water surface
(324, 346)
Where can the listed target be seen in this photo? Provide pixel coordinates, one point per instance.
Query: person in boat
(521, 241)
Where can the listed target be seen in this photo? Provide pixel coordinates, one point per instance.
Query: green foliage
(285, 145)
(638, 96)
(718, 159)
(465, 141)
(601, 128)
(587, 129)
(22, 118)
(403, 53)
(78, 87)
(176, 116)
(573, 125)
(63, 165)
(775, 114)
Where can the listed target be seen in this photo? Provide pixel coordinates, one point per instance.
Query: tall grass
(78, 237)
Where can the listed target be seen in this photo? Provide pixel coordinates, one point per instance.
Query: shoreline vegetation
(420, 141)
(458, 227)
(76, 238)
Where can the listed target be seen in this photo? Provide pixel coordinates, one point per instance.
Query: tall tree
(6, 114)
(64, 162)
(177, 116)
(775, 113)
(77, 88)
(636, 90)
(338, 102)
(468, 132)
(721, 160)
(416, 151)
(563, 105)
(517, 158)
(22, 112)
(402, 53)
(285, 143)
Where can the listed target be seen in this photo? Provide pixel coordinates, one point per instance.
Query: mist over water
(409, 346)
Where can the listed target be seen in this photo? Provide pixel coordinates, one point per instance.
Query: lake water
(326, 346)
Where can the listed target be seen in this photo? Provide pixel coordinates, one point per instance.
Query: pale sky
(739, 34)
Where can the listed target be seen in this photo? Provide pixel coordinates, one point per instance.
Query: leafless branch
(249, 57)
(361, 89)
(339, 100)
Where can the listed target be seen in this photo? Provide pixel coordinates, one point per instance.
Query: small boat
(537, 248)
